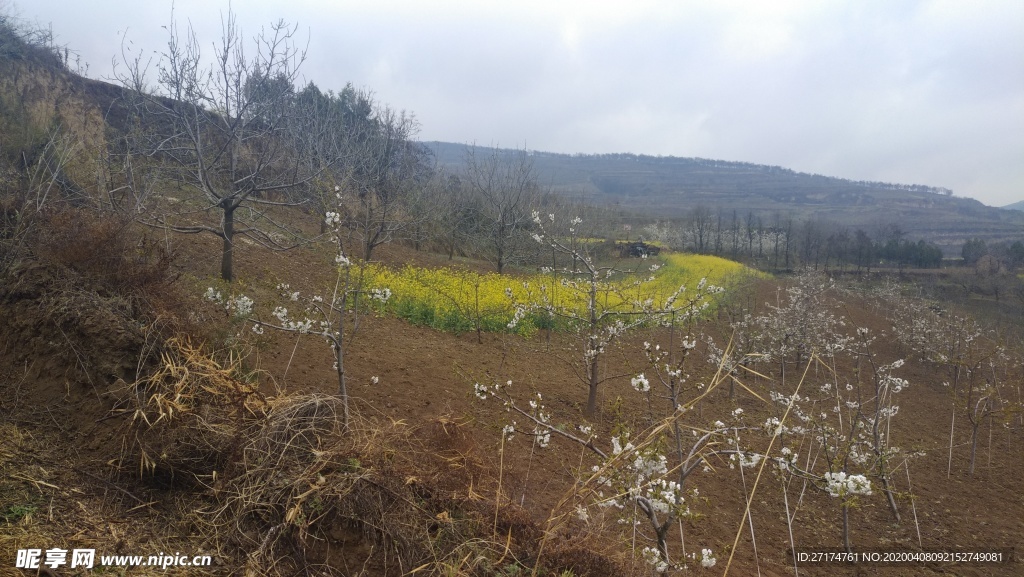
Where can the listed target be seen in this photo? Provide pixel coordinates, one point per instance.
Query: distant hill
(669, 187)
(1015, 206)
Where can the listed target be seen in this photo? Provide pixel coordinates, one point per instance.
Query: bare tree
(453, 213)
(223, 132)
(505, 185)
(750, 225)
(701, 221)
(329, 128)
(812, 242)
(386, 171)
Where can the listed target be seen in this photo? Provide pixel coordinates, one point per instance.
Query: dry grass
(190, 415)
(287, 488)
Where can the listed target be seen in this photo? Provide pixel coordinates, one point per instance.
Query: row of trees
(750, 167)
(1002, 255)
(213, 145)
(783, 242)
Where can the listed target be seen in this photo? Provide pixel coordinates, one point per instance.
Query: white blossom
(380, 294)
(581, 513)
(640, 383)
(840, 484)
(748, 460)
(481, 391)
(707, 560)
(543, 437)
(281, 313)
(242, 305)
(212, 295)
(653, 557)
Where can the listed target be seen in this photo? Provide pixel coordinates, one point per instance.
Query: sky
(914, 92)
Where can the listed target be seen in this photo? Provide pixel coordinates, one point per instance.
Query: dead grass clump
(71, 333)
(309, 493)
(190, 415)
(301, 425)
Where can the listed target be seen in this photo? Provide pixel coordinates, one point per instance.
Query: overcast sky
(928, 92)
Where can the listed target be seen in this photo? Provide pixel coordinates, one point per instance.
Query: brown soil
(67, 353)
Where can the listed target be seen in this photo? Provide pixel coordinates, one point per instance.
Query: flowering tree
(877, 408)
(848, 425)
(794, 329)
(848, 416)
(611, 308)
(835, 451)
(636, 480)
(322, 315)
(975, 361)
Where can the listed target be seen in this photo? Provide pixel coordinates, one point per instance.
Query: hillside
(669, 187)
(1015, 206)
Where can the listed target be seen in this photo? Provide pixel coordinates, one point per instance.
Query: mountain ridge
(671, 187)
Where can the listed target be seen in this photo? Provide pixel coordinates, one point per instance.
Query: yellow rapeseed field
(460, 301)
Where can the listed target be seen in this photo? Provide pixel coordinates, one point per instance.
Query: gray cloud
(928, 92)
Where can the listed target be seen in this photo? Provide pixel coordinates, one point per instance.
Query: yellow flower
(460, 301)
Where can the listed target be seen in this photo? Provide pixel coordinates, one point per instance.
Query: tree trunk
(592, 396)
(662, 534)
(974, 446)
(228, 235)
(593, 343)
(339, 355)
(846, 529)
(890, 498)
